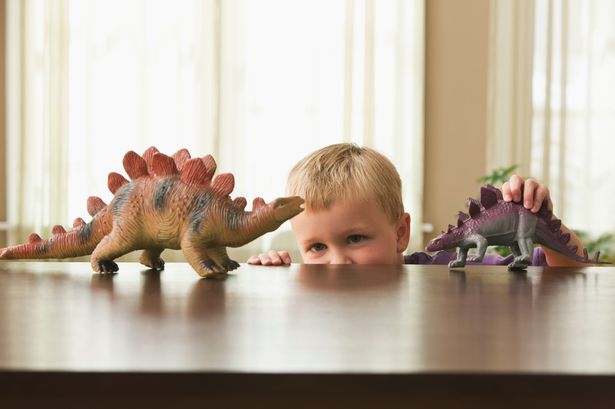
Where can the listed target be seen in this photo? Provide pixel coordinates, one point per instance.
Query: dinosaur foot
(456, 264)
(519, 264)
(104, 266)
(157, 264)
(231, 265)
(211, 270)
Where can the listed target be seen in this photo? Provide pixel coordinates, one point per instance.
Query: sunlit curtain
(37, 133)
(574, 109)
(257, 83)
(569, 138)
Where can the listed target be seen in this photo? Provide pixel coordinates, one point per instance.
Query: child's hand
(534, 193)
(271, 258)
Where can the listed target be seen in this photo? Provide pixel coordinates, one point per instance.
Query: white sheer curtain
(258, 84)
(574, 109)
(562, 77)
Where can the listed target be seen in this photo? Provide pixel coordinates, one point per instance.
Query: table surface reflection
(326, 336)
(308, 319)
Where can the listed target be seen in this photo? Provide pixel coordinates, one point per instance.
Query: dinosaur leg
(200, 260)
(221, 258)
(525, 232)
(523, 258)
(514, 248)
(481, 247)
(109, 248)
(460, 261)
(151, 258)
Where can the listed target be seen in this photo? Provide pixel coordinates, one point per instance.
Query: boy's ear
(403, 232)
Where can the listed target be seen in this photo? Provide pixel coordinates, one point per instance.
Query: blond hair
(347, 171)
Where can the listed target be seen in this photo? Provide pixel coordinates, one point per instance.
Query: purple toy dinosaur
(494, 221)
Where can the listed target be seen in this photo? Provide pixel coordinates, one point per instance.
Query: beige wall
(455, 106)
(2, 121)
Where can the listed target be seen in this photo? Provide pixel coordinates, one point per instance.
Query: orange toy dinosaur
(170, 202)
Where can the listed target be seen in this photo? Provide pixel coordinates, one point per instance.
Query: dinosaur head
(446, 240)
(285, 208)
(264, 218)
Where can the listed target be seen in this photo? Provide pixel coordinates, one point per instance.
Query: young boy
(354, 212)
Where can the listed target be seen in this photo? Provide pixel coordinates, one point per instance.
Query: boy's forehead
(342, 200)
(345, 210)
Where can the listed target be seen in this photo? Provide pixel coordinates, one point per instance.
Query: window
(552, 69)
(574, 109)
(257, 84)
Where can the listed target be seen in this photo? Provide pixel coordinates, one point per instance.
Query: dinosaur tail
(79, 241)
(554, 235)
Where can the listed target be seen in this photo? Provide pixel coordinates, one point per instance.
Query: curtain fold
(566, 122)
(509, 107)
(37, 112)
(258, 84)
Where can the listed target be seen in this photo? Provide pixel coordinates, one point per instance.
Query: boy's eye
(356, 238)
(318, 247)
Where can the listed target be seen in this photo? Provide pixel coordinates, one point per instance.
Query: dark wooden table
(306, 336)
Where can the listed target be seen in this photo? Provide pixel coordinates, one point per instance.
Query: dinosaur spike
(257, 203)
(34, 238)
(95, 205)
(564, 238)
(474, 208)
(78, 222)
(555, 224)
(115, 181)
(488, 197)
(134, 165)
(148, 155)
(163, 165)
(585, 254)
(210, 164)
(57, 229)
(241, 202)
(450, 228)
(544, 212)
(546, 215)
(461, 218)
(194, 172)
(597, 257)
(181, 157)
(224, 184)
(498, 192)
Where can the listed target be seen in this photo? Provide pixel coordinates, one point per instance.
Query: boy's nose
(339, 257)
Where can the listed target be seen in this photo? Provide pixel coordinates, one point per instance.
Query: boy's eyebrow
(357, 228)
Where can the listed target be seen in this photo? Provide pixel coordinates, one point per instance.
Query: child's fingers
(515, 183)
(254, 260)
(274, 257)
(542, 194)
(285, 257)
(265, 260)
(506, 192)
(271, 258)
(529, 197)
(534, 193)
